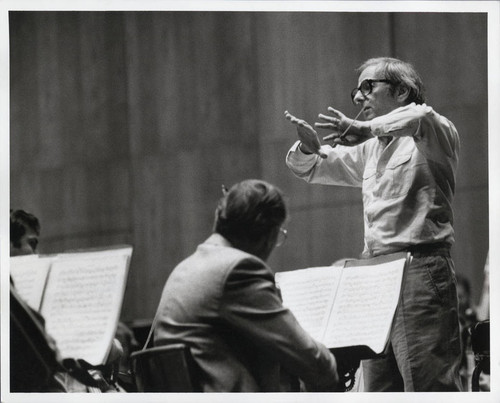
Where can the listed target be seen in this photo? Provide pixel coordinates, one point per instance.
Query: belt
(430, 249)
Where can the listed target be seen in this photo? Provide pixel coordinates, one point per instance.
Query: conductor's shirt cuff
(299, 162)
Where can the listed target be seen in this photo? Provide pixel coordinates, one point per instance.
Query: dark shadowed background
(124, 125)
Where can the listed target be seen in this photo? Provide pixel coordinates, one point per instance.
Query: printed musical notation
(79, 295)
(346, 306)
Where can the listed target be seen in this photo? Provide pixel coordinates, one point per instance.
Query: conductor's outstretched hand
(346, 131)
(307, 135)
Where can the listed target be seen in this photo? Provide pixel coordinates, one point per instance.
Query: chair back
(480, 341)
(168, 368)
(480, 338)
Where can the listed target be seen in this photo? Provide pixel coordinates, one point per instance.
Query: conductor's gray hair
(398, 73)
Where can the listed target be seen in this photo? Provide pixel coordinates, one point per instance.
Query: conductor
(404, 157)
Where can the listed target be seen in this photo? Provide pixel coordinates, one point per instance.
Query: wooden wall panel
(192, 112)
(51, 140)
(190, 93)
(451, 58)
(305, 69)
(69, 138)
(24, 125)
(453, 65)
(156, 229)
(103, 85)
(472, 236)
(124, 125)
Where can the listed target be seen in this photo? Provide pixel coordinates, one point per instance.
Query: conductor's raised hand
(346, 131)
(307, 135)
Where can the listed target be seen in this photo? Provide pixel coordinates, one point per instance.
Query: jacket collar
(218, 239)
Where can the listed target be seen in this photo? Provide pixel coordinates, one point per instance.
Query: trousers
(425, 347)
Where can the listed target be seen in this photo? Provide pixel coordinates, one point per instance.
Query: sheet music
(308, 293)
(82, 304)
(364, 306)
(29, 274)
(95, 252)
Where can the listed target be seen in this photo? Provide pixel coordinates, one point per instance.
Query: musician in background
(35, 361)
(404, 157)
(24, 233)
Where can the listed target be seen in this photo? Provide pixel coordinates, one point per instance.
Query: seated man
(24, 233)
(223, 303)
(35, 361)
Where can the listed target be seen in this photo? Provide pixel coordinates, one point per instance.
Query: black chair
(168, 368)
(480, 341)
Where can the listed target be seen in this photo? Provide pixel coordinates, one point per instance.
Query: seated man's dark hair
(19, 221)
(250, 210)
